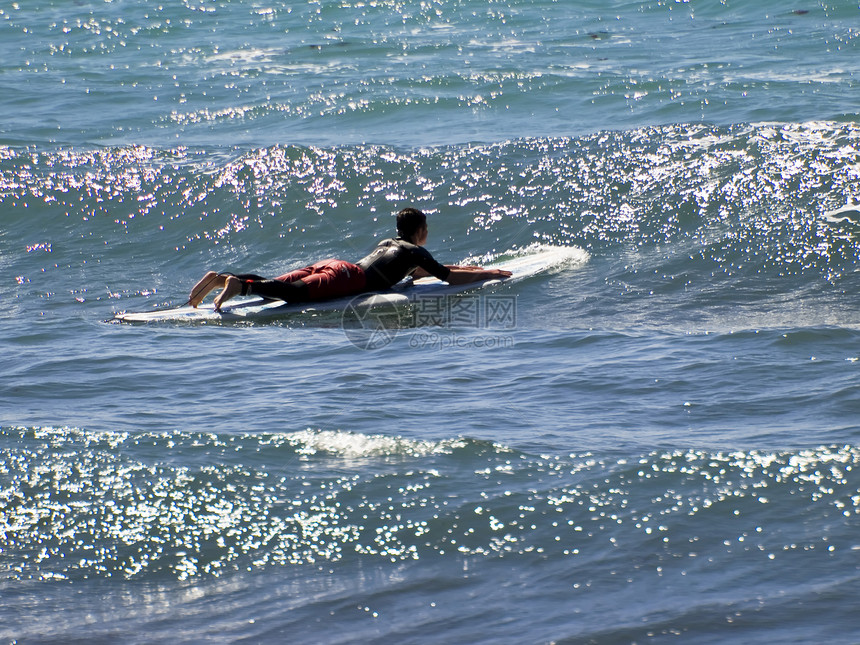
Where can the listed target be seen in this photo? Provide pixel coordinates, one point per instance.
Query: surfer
(391, 261)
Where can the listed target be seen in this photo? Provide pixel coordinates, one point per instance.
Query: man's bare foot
(232, 287)
(207, 283)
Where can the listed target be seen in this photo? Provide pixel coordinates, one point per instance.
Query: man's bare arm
(465, 275)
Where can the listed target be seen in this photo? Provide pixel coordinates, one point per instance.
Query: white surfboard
(527, 263)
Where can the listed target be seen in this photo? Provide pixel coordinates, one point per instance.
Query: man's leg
(207, 283)
(232, 287)
(212, 281)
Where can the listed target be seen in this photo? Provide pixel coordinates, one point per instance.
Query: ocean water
(660, 446)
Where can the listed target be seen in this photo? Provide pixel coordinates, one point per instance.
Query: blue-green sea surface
(660, 444)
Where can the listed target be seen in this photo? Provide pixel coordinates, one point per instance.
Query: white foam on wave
(566, 256)
(356, 445)
(849, 212)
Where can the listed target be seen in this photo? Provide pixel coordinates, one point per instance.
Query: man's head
(410, 224)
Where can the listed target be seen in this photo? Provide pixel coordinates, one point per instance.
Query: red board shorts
(329, 279)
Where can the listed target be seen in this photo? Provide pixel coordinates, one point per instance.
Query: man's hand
(465, 275)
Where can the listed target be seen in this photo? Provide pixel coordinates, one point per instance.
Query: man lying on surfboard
(390, 262)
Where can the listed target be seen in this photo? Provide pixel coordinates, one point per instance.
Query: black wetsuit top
(394, 259)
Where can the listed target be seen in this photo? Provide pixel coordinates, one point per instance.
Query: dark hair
(409, 222)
